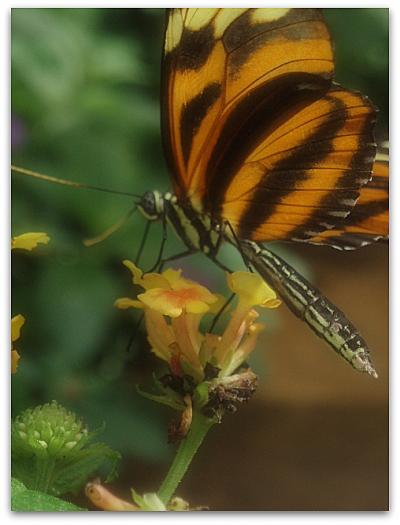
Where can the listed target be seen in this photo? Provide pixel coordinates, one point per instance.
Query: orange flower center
(181, 297)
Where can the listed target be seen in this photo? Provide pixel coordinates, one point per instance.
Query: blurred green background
(85, 107)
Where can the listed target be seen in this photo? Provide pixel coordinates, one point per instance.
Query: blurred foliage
(85, 107)
(361, 40)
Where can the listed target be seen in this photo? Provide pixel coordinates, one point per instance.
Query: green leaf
(25, 500)
(162, 399)
(74, 474)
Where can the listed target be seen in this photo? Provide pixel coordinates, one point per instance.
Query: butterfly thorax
(196, 229)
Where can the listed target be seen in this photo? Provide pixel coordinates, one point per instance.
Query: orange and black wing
(369, 220)
(219, 66)
(256, 133)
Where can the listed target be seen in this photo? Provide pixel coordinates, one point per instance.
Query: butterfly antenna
(112, 229)
(66, 182)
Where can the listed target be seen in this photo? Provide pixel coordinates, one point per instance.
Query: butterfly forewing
(216, 62)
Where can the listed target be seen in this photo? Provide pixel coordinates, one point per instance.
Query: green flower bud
(49, 430)
(53, 451)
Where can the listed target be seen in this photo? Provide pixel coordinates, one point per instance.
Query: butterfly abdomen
(305, 301)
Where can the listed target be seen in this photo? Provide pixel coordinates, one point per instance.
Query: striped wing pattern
(368, 221)
(306, 173)
(219, 63)
(255, 130)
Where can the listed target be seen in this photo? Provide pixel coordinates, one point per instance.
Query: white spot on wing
(199, 18)
(224, 18)
(174, 31)
(338, 213)
(268, 14)
(347, 202)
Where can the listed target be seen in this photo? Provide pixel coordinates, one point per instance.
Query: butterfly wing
(254, 129)
(219, 64)
(369, 220)
(305, 172)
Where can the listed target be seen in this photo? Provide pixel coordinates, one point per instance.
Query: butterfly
(262, 145)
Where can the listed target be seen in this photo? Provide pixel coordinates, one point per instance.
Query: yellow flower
(183, 302)
(16, 324)
(240, 335)
(169, 293)
(252, 290)
(28, 241)
(173, 308)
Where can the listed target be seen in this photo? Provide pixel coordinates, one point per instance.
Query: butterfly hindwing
(368, 221)
(306, 173)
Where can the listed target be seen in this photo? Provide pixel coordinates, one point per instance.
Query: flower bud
(49, 429)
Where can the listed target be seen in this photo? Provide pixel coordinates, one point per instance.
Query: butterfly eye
(151, 205)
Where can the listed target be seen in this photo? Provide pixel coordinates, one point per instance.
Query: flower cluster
(174, 307)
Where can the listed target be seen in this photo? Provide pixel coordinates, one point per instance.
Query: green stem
(186, 451)
(44, 474)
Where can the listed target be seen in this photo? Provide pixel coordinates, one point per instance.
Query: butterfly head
(151, 205)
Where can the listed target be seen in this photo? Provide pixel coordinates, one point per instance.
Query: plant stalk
(184, 456)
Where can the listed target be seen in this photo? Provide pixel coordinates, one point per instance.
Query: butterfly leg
(134, 332)
(143, 242)
(162, 245)
(212, 254)
(179, 255)
(238, 246)
(220, 312)
(219, 263)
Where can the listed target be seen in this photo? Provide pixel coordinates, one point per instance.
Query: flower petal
(272, 303)
(147, 280)
(126, 302)
(160, 334)
(251, 289)
(135, 271)
(195, 291)
(28, 241)
(163, 301)
(172, 276)
(15, 357)
(155, 280)
(246, 346)
(17, 322)
(196, 307)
